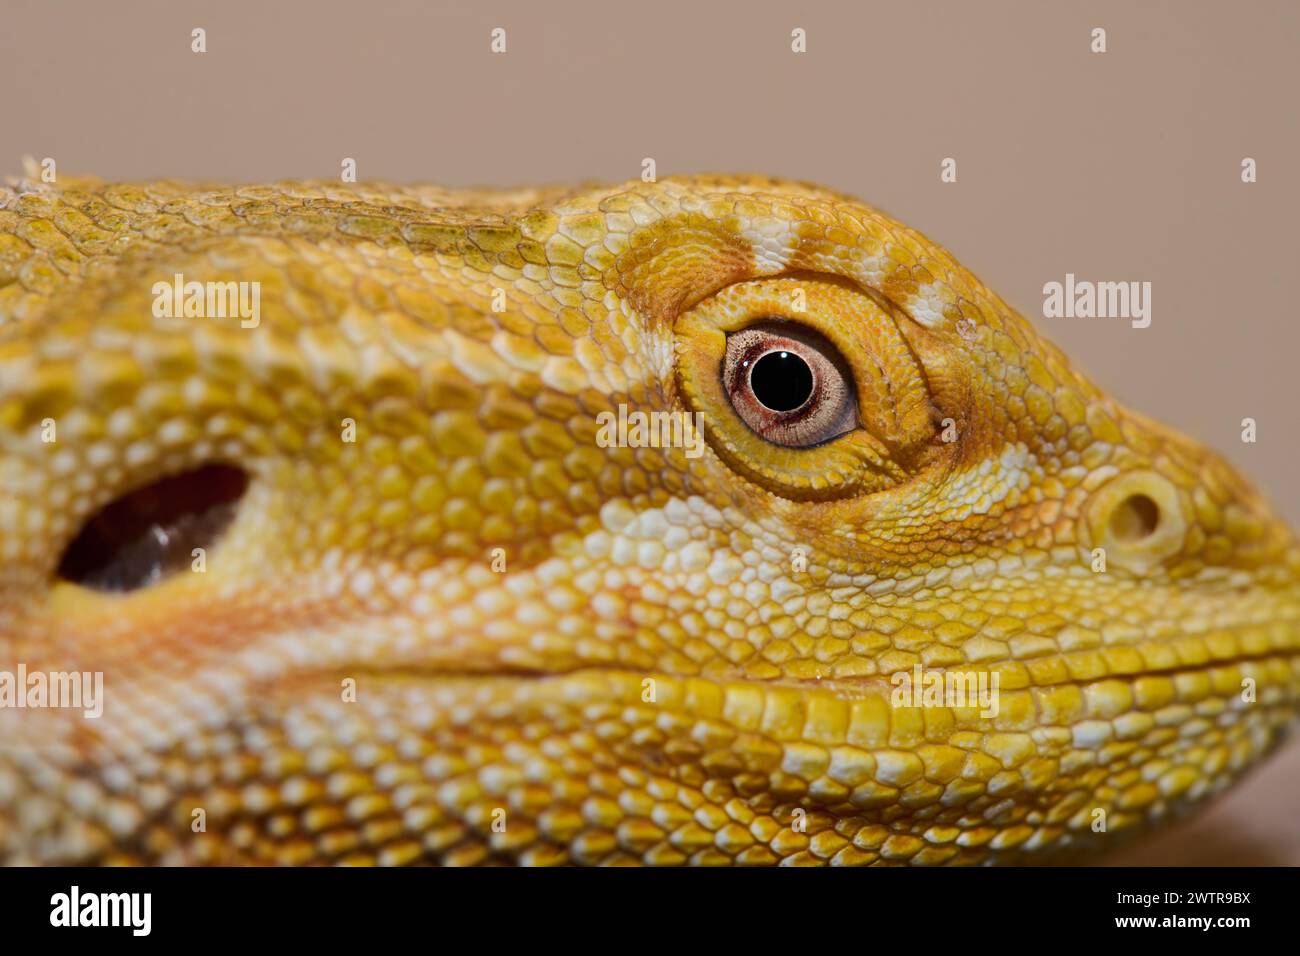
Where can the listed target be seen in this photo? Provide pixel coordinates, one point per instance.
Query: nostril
(137, 538)
(1140, 520)
(1135, 518)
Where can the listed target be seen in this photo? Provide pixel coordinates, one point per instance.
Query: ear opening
(142, 536)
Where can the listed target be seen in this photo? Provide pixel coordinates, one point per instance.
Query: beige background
(1122, 166)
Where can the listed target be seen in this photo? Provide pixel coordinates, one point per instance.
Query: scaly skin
(630, 573)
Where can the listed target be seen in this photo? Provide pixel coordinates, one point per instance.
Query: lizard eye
(808, 385)
(789, 384)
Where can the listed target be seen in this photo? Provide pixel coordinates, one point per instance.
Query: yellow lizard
(375, 580)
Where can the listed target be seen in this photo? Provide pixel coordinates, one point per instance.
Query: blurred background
(1117, 166)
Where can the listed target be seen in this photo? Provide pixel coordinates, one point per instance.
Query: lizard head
(665, 522)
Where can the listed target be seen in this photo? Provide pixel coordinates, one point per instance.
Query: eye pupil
(781, 381)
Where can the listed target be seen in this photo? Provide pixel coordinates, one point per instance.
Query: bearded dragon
(370, 580)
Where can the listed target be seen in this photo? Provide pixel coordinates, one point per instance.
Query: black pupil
(781, 381)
